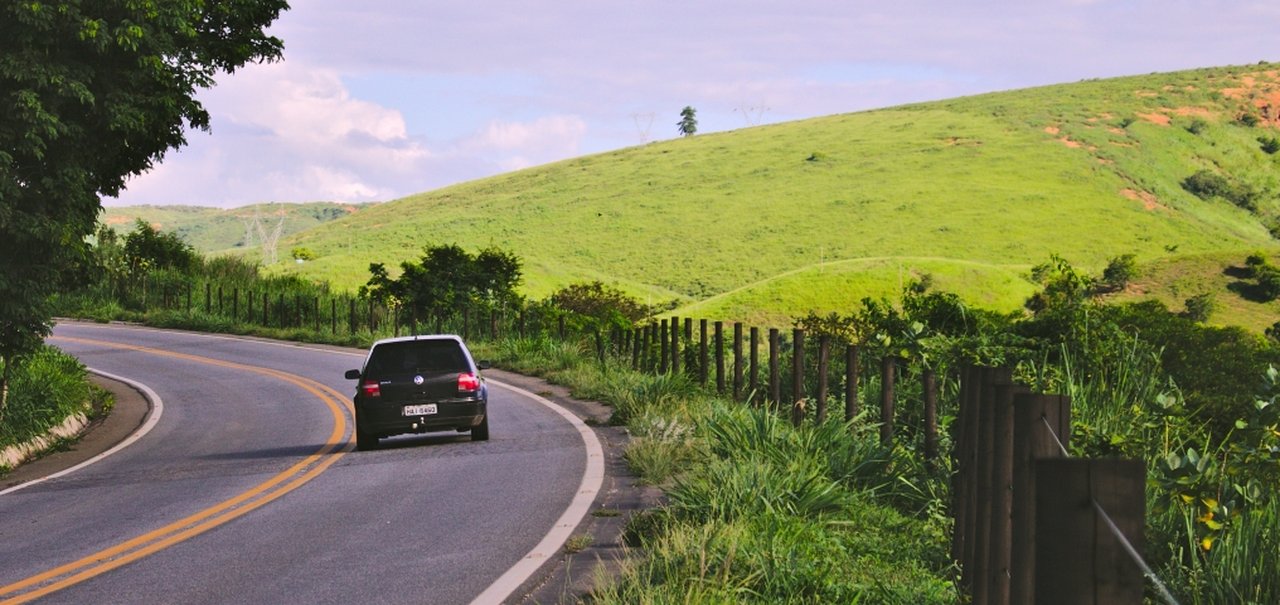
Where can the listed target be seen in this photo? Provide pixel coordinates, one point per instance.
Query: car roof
(453, 337)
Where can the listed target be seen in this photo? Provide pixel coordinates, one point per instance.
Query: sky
(379, 99)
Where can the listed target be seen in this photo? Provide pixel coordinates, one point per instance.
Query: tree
(92, 93)
(1119, 272)
(153, 249)
(447, 278)
(688, 124)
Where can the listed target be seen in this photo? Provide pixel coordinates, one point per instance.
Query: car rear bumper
(384, 420)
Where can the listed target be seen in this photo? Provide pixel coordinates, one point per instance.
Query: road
(246, 489)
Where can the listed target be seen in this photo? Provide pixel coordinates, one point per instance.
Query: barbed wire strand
(1115, 531)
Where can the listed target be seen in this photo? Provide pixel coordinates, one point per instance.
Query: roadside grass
(47, 387)
(758, 511)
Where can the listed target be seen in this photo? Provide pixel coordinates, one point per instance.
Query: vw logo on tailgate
(417, 380)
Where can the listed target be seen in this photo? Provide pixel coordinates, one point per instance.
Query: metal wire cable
(1115, 531)
(1133, 554)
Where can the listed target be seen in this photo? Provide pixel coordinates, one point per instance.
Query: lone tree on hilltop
(92, 93)
(688, 124)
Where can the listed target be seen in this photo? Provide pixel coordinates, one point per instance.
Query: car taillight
(468, 382)
(371, 389)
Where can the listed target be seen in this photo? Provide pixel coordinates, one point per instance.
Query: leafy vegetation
(47, 387)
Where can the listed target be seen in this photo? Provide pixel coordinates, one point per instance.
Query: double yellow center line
(156, 540)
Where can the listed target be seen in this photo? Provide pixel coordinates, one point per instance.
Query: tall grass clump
(779, 514)
(47, 387)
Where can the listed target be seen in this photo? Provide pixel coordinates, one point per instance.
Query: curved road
(246, 489)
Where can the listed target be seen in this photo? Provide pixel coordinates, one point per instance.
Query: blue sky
(379, 99)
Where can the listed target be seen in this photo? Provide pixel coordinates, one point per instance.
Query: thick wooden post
(797, 377)
(824, 362)
(1039, 422)
(737, 361)
(266, 309)
(235, 304)
(248, 303)
(1001, 508)
(208, 298)
(983, 498)
(1078, 558)
(775, 387)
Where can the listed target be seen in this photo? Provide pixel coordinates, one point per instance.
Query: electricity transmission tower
(253, 226)
(752, 114)
(644, 122)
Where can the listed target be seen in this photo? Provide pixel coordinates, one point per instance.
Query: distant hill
(218, 230)
(773, 221)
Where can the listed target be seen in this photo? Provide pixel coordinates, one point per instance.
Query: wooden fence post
(702, 352)
(824, 362)
(929, 383)
(719, 354)
(965, 453)
(235, 304)
(851, 369)
(1001, 502)
(1078, 558)
(887, 367)
(248, 303)
(775, 387)
(664, 339)
(675, 345)
(753, 380)
(982, 497)
(351, 317)
(797, 377)
(737, 361)
(1034, 417)
(208, 298)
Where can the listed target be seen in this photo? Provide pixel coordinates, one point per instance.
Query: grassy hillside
(214, 230)
(779, 220)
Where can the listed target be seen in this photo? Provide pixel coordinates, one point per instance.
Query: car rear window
(417, 356)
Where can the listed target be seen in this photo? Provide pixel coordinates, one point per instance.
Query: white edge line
(592, 479)
(153, 417)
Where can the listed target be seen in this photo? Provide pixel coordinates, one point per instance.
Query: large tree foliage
(446, 280)
(92, 93)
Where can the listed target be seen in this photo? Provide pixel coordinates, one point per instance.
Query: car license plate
(420, 410)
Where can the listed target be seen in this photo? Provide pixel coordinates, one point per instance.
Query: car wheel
(365, 441)
(480, 432)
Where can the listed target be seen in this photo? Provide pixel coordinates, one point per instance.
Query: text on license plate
(420, 410)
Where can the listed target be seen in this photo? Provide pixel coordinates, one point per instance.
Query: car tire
(365, 441)
(480, 432)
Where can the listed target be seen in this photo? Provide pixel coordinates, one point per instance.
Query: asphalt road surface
(246, 489)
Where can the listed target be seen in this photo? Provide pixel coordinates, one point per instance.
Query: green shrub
(46, 388)
(1199, 307)
(1197, 126)
(1270, 145)
(1119, 272)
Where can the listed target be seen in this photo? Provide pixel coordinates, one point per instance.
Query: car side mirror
(484, 364)
(353, 374)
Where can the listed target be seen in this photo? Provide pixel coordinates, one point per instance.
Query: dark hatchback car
(417, 384)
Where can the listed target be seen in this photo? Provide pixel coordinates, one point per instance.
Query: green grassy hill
(216, 230)
(774, 221)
